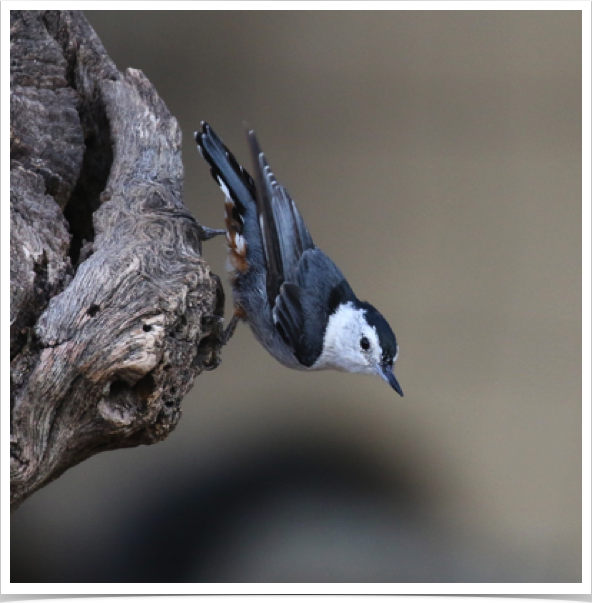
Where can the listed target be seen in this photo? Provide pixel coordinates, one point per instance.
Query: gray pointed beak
(387, 374)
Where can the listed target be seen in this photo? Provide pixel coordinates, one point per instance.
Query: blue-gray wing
(303, 285)
(284, 234)
(303, 306)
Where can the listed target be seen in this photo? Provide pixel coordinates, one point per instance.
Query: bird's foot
(217, 330)
(214, 338)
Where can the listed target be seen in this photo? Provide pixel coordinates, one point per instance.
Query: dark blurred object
(297, 511)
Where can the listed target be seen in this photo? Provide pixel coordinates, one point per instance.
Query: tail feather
(236, 183)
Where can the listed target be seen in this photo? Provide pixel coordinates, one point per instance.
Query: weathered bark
(110, 298)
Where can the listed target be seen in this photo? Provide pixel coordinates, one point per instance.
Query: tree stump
(113, 310)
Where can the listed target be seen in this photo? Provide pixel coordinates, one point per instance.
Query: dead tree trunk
(110, 298)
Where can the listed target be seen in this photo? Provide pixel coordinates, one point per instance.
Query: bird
(299, 305)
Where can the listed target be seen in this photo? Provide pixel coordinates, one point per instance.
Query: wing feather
(289, 316)
(303, 285)
(284, 233)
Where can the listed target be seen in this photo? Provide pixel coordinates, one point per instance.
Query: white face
(350, 344)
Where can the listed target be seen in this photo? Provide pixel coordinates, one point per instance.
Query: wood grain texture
(111, 302)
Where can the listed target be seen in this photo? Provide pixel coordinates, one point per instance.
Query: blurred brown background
(436, 158)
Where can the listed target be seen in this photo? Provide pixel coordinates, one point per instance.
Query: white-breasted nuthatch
(296, 300)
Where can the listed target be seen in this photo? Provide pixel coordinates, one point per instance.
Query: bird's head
(358, 339)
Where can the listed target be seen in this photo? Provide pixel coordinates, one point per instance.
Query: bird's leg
(229, 330)
(209, 233)
(217, 322)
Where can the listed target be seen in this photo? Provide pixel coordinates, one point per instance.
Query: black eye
(364, 343)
